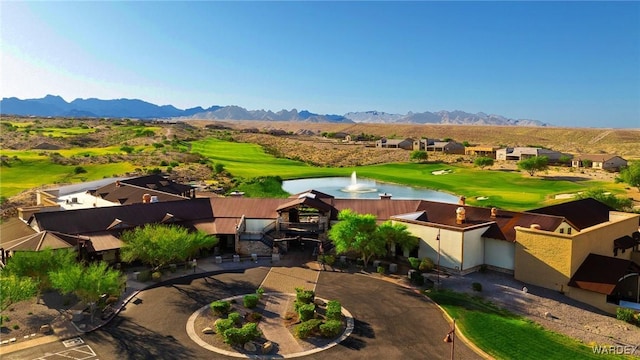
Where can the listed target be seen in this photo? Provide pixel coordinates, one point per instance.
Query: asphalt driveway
(391, 322)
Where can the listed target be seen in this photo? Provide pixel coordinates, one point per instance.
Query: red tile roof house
(522, 243)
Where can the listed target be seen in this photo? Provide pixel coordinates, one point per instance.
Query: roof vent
(460, 215)
(385, 196)
(494, 213)
(237, 194)
(462, 200)
(154, 199)
(534, 226)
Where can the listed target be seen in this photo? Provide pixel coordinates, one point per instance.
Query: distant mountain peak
(54, 105)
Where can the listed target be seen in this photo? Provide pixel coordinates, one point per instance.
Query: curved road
(392, 322)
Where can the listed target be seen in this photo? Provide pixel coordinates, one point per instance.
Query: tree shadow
(133, 341)
(358, 339)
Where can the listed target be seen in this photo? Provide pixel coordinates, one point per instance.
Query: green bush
(307, 328)
(476, 286)
(627, 315)
(306, 311)
(250, 301)
(260, 292)
(79, 170)
(223, 324)
(380, 269)
(235, 317)
(156, 275)
(331, 328)
(334, 310)
(426, 265)
(414, 263)
(239, 336)
(220, 307)
(329, 259)
(305, 296)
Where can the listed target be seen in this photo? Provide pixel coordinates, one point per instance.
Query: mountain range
(55, 106)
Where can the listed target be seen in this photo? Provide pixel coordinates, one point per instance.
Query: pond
(355, 188)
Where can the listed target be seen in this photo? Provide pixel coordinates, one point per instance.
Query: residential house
(521, 153)
(445, 147)
(385, 143)
(485, 151)
(599, 161)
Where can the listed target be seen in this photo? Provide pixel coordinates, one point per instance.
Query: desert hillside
(623, 142)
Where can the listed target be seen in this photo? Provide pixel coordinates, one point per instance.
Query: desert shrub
(16, 326)
(380, 269)
(417, 278)
(79, 170)
(307, 328)
(414, 262)
(426, 265)
(476, 286)
(306, 311)
(334, 310)
(260, 292)
(235, 317)
(156, 275)
(331, 328)
(627, 315)
(305, 296)
(254, 317)
(223, 324)
(250, 301)
(164, 163)
(239, 336)
(145, 275)
(220, 307)
(329, 259)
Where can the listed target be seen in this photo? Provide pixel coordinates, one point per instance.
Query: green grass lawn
(507, 190)
(505, 335)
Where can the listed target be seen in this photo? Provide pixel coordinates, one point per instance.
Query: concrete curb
(196, 338)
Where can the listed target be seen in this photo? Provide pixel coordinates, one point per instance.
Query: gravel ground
(565, 315)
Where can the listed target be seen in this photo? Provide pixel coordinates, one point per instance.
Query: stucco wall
(499, 253)
(542, 258)
(599, 239)
(592, 298)
(473, 248)
(450, 245)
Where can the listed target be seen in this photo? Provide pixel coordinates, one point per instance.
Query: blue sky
(565, 63)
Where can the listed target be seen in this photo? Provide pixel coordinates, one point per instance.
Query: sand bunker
(441, 172)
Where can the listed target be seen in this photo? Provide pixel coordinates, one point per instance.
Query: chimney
(494, 213)
(535, 226)
(146, 198)
(460, 215)
(385, 196)
(462, 200)
(117, 183)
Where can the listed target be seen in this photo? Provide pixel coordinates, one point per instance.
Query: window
(569, 231)
(561, 231)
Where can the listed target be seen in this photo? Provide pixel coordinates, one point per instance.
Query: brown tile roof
(160, 183)
(255, 208)
(595, 157)
(42, 240)
(600, 273)
(85, 221)
(14, 228)
(104, 241)
(382, 209)
(126, 194)
(582, 213)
